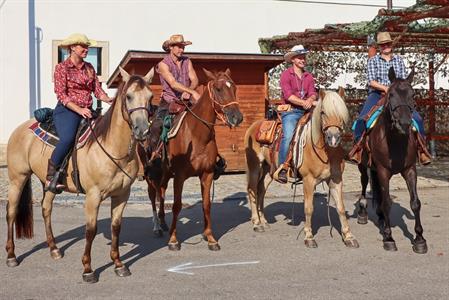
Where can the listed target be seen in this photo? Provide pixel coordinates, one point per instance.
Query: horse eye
(128, 97)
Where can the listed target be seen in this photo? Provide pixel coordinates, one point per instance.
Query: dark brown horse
(393, 147)
(193, 152)
(101, 177)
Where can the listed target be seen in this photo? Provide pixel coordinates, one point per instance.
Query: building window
(98, 56)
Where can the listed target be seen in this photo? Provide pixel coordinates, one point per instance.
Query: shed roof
(147, 59)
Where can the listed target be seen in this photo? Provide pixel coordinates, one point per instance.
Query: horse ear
(411, 75)
(322, 94)
(341, 91)
(149, 77)
(228, 72)
(209, 74)
(391, 74)
(125, 75)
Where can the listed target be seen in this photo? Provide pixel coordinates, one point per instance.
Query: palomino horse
(322, 161)
(393, 148)
(101, 177)
(193, 152)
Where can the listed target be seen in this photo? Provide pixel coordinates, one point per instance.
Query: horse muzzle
(333, 137)
(140, 130)
(234, 118)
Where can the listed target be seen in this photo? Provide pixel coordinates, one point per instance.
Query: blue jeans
(66, 123)
(289, 121)
(373, 98)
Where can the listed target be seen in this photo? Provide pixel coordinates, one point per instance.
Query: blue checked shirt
(378, 69)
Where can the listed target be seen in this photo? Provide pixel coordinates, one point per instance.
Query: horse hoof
(362, 220)
(158, 233)
(352, 243)
(259, 228)
(56, 254)
(174, 246)
(420, 248)
(90, 277)
(122, 271)
(390, 246)
(214, 247)
(12, 262)
(164, 227)
(310, 244)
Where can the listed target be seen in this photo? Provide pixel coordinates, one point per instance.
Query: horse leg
(178, 184)
(253, 179)
(206, 182)
(92, 204)
(160, 192)
(362, 203)
(47, 206)
(117, 206)
(157, 230)
(262, 188)
(336, 193)
(16, 187)
(410, 176)
(309, 188)
(383, 179)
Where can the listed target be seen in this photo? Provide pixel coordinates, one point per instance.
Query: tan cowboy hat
(295, 51)
(78, 38)
(383, 38)
(176, 39)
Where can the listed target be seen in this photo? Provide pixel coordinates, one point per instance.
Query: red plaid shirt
(75, 85)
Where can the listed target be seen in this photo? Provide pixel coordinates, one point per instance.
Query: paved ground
(274, 264)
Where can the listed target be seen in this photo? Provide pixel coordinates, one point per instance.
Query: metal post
(389, 4)
(432, 105)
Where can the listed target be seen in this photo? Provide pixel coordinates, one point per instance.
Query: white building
(28, 29)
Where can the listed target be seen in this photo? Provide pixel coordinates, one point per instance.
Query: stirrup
(54, 187)
(276, 174)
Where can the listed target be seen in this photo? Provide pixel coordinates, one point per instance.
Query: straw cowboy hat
(78, 38)
(176, 39)
(383, 38)
(295, 51)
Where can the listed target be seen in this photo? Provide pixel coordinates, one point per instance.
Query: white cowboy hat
(176, 39)
(78, 38)
(295, 51)
(383, 38)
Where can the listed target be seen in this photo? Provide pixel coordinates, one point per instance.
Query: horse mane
(104, 122)
(333, 106)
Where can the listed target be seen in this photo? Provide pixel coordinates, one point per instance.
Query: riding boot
(423, 154)
(281, 174)
(52, 183)
(220, 166)
(355, 155)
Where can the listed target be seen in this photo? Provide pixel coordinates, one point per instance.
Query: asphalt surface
(270, 265)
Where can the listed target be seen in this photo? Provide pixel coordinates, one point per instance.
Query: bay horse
(392, 145)
(193, 152)
(116, 134)
(323, 160)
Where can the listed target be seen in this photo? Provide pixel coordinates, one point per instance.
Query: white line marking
(181, 268)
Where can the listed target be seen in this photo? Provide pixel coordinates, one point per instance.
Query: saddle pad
(176, 125)
(51, 139)
(300, 140)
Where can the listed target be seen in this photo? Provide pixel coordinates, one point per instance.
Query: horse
(193, 152)
(393, 149)
(323, 160)
(108, 166)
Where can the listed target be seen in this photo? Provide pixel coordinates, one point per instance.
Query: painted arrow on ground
(188, 266)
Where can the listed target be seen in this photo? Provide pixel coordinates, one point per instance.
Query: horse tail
(24, 218)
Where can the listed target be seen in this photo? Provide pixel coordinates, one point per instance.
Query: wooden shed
(249, 72)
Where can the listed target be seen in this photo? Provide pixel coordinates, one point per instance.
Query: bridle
(392, 108)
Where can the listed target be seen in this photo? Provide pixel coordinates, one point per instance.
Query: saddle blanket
(50, 137)
(176, 125)
(373, 119)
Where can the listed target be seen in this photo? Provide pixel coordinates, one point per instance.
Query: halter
(222, 116)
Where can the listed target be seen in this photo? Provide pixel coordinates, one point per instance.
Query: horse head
(135, 96)
(222, 90)
(332, 114)
(399, 104)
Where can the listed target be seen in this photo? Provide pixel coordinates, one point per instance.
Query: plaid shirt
(378, 69)
(76, 85)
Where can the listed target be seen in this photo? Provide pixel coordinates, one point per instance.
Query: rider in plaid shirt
(378, 83)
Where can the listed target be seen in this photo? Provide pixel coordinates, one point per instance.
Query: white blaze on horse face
(228, 84)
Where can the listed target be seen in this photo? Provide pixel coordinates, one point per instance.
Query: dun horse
(101, 176)
(322, 161)
(393, 149)
(193, 152)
